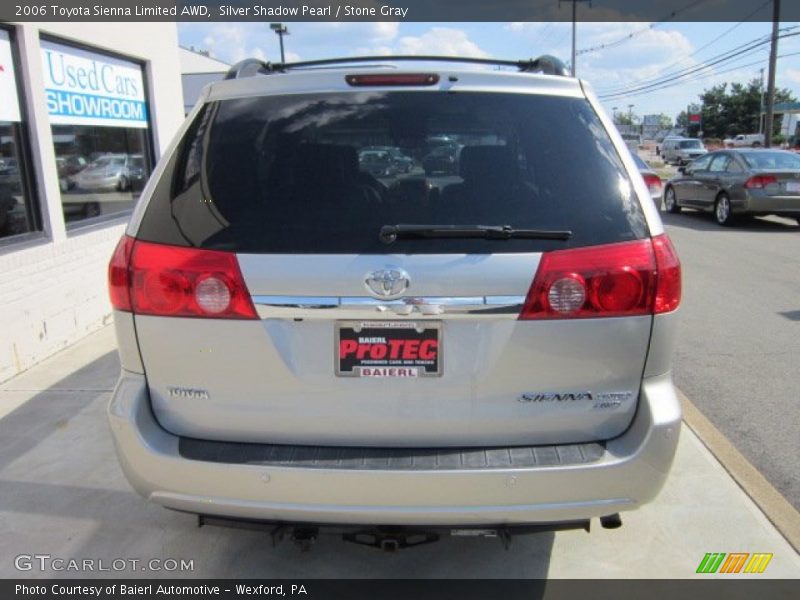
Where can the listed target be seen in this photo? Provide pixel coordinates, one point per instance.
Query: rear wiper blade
(390, 233)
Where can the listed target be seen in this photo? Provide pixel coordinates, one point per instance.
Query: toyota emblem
(387, 283)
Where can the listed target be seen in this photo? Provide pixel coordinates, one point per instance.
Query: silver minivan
(681, 151)
(302, 342)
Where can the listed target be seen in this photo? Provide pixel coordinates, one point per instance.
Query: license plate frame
(793, 186)
(387, 367)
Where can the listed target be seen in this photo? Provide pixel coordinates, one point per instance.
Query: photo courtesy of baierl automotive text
(430, 300)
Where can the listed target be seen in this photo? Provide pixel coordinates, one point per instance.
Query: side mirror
(682, 170)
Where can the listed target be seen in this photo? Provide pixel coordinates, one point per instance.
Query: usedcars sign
(83, 88)
(9, 104)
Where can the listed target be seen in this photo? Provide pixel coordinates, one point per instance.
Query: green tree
(730, 111)
(624, 118)
(682, 120)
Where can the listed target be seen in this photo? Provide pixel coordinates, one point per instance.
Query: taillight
(392, 79)
(614, 280)
(653, 183)
(759, 182)
(668, 267)
(119, 275)
(179, 282)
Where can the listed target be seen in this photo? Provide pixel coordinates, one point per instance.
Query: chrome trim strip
(348, 307)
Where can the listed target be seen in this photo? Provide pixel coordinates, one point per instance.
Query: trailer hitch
(391, 540)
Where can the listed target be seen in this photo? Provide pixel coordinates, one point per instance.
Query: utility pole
(281, 30)
(773, 59)
(630, 113)
(761, 104)
(574, 21)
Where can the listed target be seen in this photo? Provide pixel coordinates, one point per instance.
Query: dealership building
(85, 112)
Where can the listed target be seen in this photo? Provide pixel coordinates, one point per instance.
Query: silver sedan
(732, 183)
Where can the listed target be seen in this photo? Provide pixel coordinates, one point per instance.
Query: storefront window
(16, 206)
(100, 125)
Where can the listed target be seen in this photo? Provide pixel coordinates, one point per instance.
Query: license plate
(793, 186)
(388, 349)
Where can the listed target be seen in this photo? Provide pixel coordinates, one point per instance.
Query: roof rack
(249, 67)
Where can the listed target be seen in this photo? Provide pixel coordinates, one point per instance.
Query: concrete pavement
(62, 494)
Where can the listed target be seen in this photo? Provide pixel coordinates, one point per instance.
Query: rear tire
(671, 201)
(723, 213)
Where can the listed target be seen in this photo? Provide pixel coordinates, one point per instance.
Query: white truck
(745, 140)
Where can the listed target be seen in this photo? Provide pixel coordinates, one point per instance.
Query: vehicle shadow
(703, 221)
(63, 494)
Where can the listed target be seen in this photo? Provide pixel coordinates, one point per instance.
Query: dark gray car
(731, 183)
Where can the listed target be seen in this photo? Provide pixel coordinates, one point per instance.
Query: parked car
(377, 163)
(68, 166)
(633, 141)
(651, 179)
(8, 203)
(302, 347)
(399, 161)
(681, 150)
(10, 176)
(752, 140)
(731, 183)
(109, 172)
(136, 173)
(442, 160)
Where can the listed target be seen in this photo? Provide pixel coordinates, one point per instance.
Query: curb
(774, 506)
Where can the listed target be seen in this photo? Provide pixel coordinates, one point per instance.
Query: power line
(638, 32)
(734, 54)
(667, 73)
(701, 76)
(719, 37)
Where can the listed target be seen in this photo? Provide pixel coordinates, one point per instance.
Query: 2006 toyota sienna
(305, 342)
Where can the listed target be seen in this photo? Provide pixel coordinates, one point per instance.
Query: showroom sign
(83, 88)
(9, 103)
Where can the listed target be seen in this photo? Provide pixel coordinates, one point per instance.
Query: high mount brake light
(614, 280)
(397, 79)
(759, 182)
(153, 279)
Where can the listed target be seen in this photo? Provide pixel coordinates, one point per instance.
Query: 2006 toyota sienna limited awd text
(303, 342)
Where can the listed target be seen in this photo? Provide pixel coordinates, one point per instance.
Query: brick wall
(52, 295)
(54, 292)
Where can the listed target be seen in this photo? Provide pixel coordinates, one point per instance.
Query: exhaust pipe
(611, 521)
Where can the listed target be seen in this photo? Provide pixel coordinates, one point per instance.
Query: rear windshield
(762, 159)
(639, 162)
(288, 174)
(691, 144)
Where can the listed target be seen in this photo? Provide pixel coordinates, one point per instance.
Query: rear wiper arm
(390, 233)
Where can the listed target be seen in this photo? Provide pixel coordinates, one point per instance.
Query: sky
(634, 53)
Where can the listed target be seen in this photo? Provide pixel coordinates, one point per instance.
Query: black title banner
(385, 589)
(396, 10)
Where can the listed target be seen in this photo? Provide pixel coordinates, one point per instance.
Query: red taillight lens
(614, 280)
(119, 275)
(759, 182)
(653, 183)
(668, 289)
(391, 80)
(180, 282)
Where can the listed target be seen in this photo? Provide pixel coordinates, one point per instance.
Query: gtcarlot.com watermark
(48, 562)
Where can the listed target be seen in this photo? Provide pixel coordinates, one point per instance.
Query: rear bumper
(759, 202)
(631, 471)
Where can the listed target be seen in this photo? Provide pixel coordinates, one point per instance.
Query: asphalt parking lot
(64, 495)
(739, 339)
